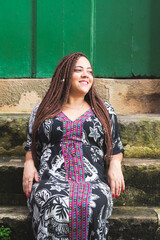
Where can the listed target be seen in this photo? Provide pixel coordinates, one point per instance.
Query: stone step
(11, 172)
(133, 223)
(142, 179)
(140, 134)
(17, 218)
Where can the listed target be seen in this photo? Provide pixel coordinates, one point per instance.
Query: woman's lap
(50, 216)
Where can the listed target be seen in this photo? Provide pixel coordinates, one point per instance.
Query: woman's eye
(77, 70)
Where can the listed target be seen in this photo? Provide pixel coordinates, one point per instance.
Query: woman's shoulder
(36, 107)
(109, 107)
(34, 111)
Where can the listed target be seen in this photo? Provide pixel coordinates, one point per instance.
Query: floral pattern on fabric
(50, 200)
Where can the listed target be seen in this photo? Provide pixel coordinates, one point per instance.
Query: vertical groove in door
(63, 29)
(92, 29)
(34, 40)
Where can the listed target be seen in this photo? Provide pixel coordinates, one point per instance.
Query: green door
(120, 37)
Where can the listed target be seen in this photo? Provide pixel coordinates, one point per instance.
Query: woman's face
(82, 77)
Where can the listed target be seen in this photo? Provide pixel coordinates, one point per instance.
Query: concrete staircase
(136, 214)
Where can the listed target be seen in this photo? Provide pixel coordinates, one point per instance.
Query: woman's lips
(84, 82)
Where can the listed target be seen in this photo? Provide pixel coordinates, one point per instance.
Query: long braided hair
(57, 96)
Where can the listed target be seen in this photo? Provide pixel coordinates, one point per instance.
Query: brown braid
(57, 96)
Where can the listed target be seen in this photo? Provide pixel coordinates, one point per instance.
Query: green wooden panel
(146, 38)
(62, 27)
(127, 38)
(113, 38)
(15, 38)
(49, 36)
(77, 24)
(120, 37)
(141, 37)
(155, 38)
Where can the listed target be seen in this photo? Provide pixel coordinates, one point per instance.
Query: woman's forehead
(83, 62)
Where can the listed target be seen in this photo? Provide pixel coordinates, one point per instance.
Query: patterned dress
(72, 199)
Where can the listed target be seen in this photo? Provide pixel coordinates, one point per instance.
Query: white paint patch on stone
(27, 102)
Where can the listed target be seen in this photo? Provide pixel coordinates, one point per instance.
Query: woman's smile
(84, 82)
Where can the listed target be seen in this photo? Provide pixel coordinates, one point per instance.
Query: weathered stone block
(134, 223)
(13, 129)
(137, 197)
(11, 172)
(13, 199)
(142, 174)
(157, 237)
(142, 179)
(21, 95)
(17, 218)
(128, 96)
(140, 135)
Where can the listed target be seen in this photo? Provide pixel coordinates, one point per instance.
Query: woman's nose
(85, 73)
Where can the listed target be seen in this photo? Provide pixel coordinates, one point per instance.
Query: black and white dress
(72, 199)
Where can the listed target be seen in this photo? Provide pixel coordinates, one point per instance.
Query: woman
(73, 139)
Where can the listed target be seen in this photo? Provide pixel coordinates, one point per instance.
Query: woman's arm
(115, 176)
(29, 173)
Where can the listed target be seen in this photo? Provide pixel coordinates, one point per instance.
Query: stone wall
(128, 96)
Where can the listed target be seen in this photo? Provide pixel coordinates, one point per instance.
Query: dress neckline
(82, 117)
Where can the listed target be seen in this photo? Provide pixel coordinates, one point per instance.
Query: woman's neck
(75, 101)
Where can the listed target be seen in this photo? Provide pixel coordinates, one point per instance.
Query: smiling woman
(73, 158)
(81, 83)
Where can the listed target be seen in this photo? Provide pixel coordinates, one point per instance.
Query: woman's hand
(115, 176)
(29, 174)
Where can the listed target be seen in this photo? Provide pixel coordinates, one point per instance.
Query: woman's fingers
(117, 185)
(112, 186)
(123, 185)
(36, 176)
(24, 186)
(117, 188)
(29, 174)
(27, 186)
(30, 183)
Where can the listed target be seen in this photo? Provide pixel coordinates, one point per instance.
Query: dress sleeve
(116, 140)
(28, 145)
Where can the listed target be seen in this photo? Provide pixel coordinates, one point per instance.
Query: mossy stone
(140, 138)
